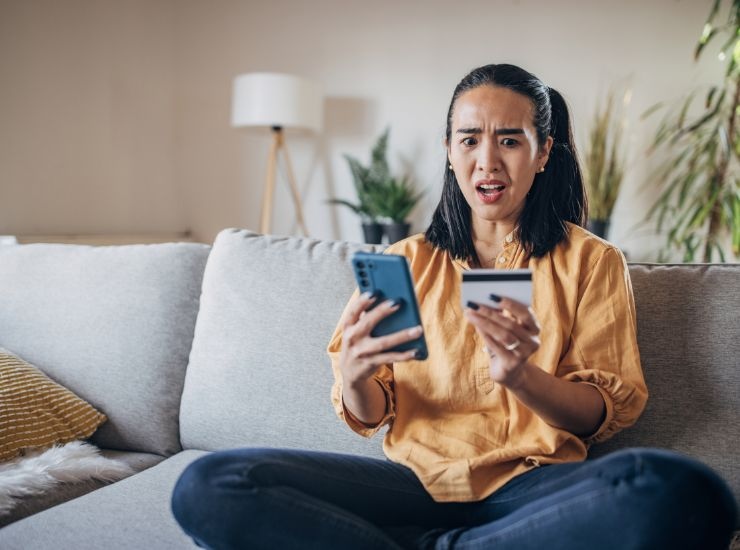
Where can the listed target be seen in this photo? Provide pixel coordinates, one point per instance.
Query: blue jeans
(282, 499)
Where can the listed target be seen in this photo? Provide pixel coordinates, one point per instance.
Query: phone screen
(389, 277)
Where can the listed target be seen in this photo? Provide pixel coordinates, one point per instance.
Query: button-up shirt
(465, 436)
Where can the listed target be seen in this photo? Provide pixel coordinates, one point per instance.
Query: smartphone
(479, 284)
(389, 277)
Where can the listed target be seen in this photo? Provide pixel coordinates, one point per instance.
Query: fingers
(369, 319)
(370, 363)
(357, 307)
(506, 323)
(364, 320)
(502, 333)
(522, 313)
(376, 346)
(517, 311)
(361, 352)
(364, 360)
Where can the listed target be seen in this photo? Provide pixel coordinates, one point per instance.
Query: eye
(469, 141)
(509, 142)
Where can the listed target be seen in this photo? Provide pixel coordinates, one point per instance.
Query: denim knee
(697, 495)
(186, 490)
(193, 488)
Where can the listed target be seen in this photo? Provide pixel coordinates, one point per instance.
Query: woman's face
(494, 152)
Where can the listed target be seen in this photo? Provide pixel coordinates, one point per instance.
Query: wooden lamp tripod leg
(293, 188)
(278, 144)
(266, 214)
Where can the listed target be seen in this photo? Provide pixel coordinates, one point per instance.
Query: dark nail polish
(495, 297)
(472, 305)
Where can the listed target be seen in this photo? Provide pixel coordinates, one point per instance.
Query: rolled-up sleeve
(384, 377)
(604, 350)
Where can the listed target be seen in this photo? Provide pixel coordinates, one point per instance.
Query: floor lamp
(277, 101)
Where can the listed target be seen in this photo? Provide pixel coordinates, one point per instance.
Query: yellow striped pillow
(36, 411)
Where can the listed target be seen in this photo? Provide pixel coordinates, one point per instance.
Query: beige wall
(87, 117)
(115, 114)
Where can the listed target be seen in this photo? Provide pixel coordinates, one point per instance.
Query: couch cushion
(687, 326)
(113, 324)
(36, 411)
(67, 491)
(132, 513)
(259, 374)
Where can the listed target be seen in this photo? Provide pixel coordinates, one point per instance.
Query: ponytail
(557, 195)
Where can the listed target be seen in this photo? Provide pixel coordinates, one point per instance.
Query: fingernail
(414, 352)
(495, 297)
(415, 331)
(393, 303)
(366, 295)
(472, 305)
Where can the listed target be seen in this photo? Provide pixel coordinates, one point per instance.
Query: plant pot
(373, 232)
(396, 231)
(600, 228)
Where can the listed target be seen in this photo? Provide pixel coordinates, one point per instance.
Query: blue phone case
(388, 275)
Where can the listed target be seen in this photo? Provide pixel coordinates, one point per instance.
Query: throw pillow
(36, 411)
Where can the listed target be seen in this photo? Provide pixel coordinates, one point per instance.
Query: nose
(489, 160)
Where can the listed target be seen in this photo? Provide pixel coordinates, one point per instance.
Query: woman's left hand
(511, 335)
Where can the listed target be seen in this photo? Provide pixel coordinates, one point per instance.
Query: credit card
(479, 284)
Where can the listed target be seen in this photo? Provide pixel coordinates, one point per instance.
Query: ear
(446, 145)
(544, 154)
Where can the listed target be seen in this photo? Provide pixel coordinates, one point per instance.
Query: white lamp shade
(273, 99)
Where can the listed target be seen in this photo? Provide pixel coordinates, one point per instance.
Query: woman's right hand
(362, 354)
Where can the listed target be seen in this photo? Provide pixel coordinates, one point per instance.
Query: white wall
(381, 63)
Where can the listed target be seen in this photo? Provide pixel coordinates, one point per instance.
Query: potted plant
(604, 165)
(699, 204)
(366, 180)
(394, 203)
(381, 197)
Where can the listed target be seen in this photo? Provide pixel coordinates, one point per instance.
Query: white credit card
(479, 284)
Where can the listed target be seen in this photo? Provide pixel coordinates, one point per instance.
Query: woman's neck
(488, 240)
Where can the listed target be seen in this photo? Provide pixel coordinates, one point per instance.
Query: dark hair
(557, 195)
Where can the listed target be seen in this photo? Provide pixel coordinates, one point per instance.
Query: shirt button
(502, 259)
(509, 238)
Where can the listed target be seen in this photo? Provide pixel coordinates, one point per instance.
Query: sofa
(189, 348)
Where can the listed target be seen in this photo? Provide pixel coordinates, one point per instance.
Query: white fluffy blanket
(39, 471)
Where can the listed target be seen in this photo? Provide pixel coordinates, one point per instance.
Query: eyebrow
(498, 132)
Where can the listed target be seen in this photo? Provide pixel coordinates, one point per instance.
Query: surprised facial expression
(494, 152)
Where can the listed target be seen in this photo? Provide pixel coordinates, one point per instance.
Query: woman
(487, 437)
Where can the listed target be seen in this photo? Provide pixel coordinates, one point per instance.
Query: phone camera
(362, 274)
(370, 265)
(364, 282)
(360, 265)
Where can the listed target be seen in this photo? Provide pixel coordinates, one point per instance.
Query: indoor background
(115, 114)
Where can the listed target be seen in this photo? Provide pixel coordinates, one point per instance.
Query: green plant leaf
(708, 116)
(379, 169)
(710, 95)
(707, 34)
(714, 10)
(684, 110)
(355, 208)
(652, 110)
(379, 194)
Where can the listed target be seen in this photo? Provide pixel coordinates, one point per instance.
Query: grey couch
(189, 349)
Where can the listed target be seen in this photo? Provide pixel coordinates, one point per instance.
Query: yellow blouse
(465, 436)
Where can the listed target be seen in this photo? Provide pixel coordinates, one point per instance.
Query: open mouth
(489, 189)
